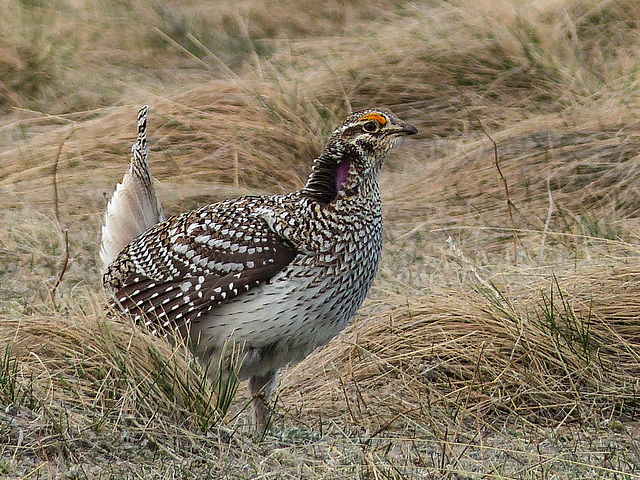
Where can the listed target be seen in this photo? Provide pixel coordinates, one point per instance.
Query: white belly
(284, 320)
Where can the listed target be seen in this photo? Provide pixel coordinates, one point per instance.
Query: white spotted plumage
(278, 275)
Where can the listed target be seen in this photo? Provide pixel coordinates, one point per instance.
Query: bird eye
(370, 127)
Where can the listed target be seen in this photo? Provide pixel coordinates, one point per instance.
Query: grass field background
(501, 339)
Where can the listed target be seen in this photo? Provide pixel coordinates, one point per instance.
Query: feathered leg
(260, 389)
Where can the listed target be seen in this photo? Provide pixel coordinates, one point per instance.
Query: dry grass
(501, 337)
(559, 357)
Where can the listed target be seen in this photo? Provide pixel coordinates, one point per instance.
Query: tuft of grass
(557, 317)
(109, 368)
(15, 394)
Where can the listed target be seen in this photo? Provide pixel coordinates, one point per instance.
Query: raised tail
(134, 206)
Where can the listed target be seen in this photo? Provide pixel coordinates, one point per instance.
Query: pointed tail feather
(134, 206)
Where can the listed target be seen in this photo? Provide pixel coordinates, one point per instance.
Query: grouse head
(354, 154)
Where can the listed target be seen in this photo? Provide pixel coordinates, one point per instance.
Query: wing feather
(191, 263)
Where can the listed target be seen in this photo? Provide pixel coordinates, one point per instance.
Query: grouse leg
(260, 388)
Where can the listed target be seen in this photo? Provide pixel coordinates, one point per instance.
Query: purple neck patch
(342, 173)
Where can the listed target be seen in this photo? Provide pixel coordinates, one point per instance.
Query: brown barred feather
(277, 275)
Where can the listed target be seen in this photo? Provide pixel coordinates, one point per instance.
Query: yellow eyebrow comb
(374, 116)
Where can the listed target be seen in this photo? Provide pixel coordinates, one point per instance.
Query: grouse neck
(330, 174)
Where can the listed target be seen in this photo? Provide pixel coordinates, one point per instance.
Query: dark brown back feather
(193, 262)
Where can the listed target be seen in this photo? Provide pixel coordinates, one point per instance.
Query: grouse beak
(407, 129)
